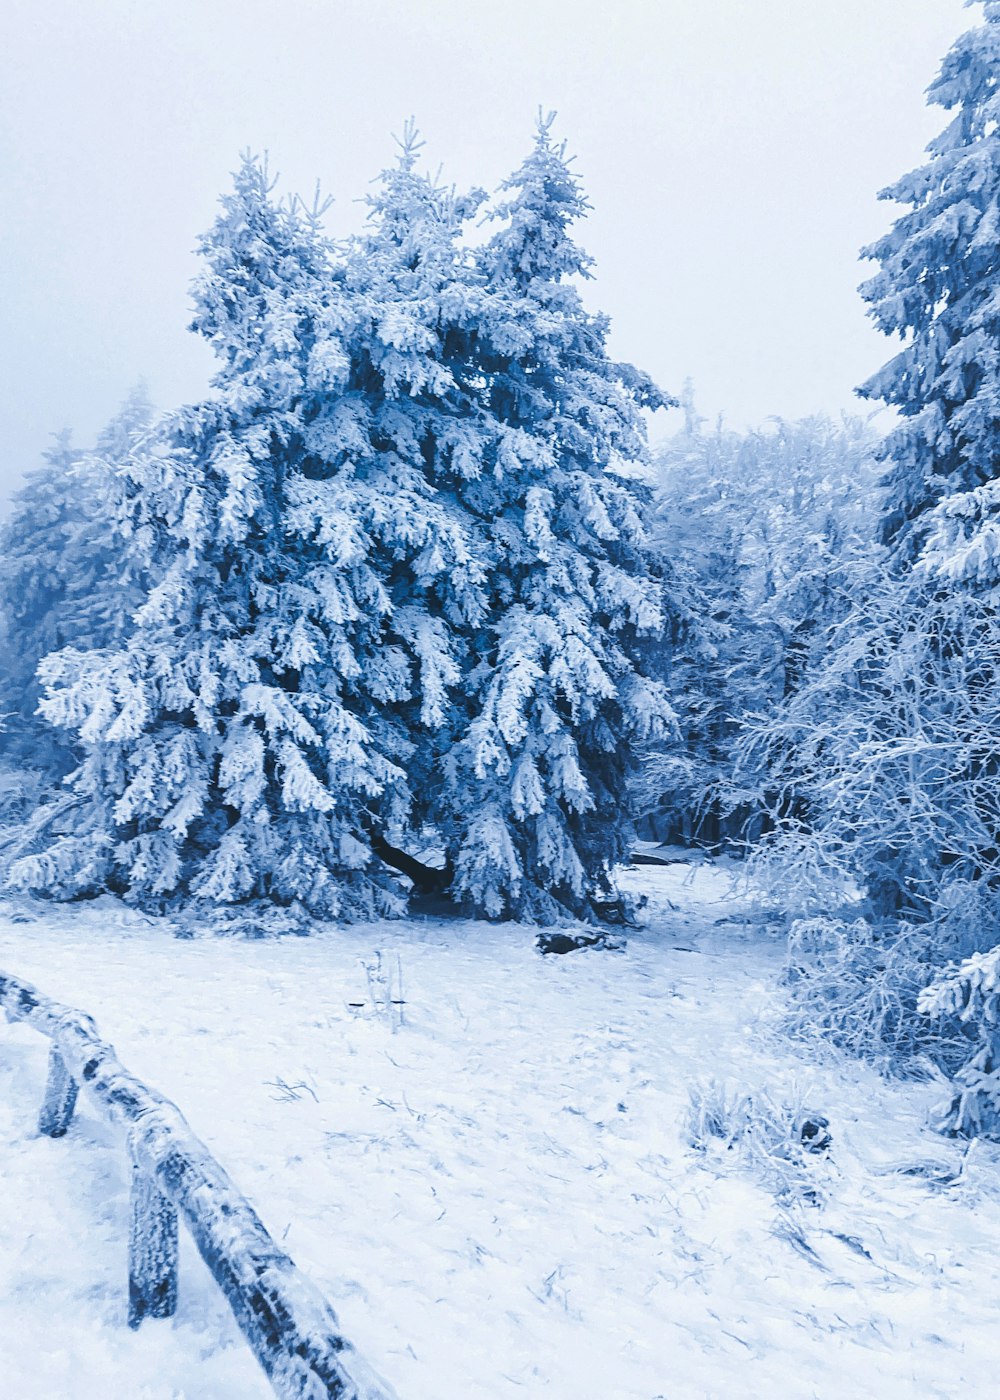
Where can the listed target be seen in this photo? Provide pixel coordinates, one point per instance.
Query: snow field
(496, 1195)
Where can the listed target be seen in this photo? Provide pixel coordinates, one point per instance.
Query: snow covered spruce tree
(526, 783)
(409, 424)
(571, 690)
(61, 578)
(227, 756)
(937, 287)
(397, 585)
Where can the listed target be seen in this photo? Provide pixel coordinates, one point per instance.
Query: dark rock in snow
(814, 1133)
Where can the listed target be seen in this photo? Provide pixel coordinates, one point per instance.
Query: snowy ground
(497, 1195)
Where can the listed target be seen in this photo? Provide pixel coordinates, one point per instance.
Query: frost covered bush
(21, 791)
(800, 872)
(860, 988)
(888, 749)
(969, 994)
(776, 1138)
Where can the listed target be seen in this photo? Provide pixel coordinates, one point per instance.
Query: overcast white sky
(732, 152)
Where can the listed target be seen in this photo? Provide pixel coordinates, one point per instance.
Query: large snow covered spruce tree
(568, 691)
(529, 781)
(399, 585)
(227, 754)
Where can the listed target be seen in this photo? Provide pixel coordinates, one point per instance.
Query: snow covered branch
(293, 1331)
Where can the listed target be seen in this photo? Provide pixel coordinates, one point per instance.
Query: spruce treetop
(546, 200)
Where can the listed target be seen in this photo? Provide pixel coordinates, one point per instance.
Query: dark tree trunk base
(426, 879)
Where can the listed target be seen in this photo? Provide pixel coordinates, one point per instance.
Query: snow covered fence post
(152, 1251)
(292, 1329)
(60, 1097)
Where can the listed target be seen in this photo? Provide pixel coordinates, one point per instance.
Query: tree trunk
(426, 878)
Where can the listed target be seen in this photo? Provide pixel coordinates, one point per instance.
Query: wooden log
(60, 1097)
(152, 1252)
(292, 1329)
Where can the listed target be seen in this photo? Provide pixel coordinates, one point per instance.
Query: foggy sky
(732, 152)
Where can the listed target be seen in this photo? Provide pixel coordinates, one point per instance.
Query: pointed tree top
(936, 288)
(543, 125)
(254, 173)
(312, 213)
(410, 144)
(545, 199)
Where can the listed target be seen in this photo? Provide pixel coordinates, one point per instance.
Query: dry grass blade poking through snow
(777, 1140)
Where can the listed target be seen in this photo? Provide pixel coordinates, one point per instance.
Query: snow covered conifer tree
(533, 805)
(520, 592)
(34, 584)
(227, 753)
(396, 580)
(416, 429)
(916, 815)
(937, 286)
(894, 740)
(61, 577)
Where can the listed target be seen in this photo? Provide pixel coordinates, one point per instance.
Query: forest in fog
(408, 609)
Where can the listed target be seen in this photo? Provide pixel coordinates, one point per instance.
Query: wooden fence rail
(292, 1329)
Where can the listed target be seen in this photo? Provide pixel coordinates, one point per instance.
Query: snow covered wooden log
(292, 1329)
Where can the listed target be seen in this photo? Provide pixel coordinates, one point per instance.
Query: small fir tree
(64, 581)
